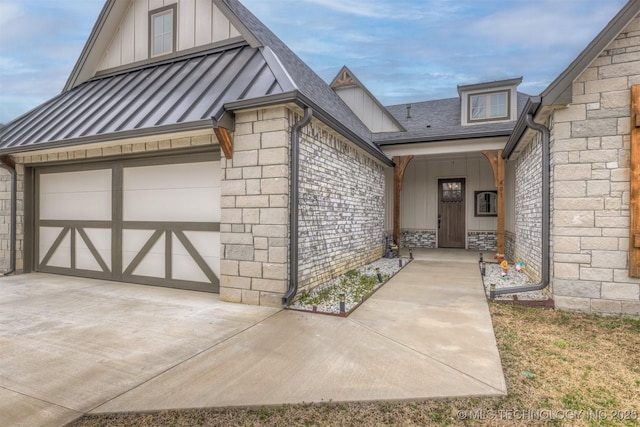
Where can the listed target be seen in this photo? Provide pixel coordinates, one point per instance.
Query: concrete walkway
(73, 346)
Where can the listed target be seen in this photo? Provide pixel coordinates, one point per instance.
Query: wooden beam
(8, 160)
(498, 166)
(401, 164)
(634, 205)
(226, 141)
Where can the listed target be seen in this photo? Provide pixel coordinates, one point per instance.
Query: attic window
(162, 25)
(489, 106)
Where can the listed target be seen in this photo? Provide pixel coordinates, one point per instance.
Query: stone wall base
(424, 239)
(482, 240)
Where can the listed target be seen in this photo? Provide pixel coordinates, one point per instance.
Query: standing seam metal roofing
(188, 90)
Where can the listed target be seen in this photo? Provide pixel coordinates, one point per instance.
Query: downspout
(546, 214)
(292, 290)
(14, 191)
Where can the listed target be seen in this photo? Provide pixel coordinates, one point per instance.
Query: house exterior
(587, 110)
(191, 148)
(168, 160)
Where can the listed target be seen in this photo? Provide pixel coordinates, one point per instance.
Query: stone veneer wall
(425, 239)
(75, 153)
(482, 240)
(528, 207)
(510, 245)
(255, 209)
(5, 219)
(342, 195)
(591, 181)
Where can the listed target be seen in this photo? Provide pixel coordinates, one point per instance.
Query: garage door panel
(208, 246)
(55, 251)
(165, 230)
(178, 193)
(76, 182)
(176, 176)
(173, 205)
(132, 243)
(84, 195)
(98, 256)
(153, 263)
(94, 206)
(47, 236)
(85, 259)
(184, 267)
(200, 260)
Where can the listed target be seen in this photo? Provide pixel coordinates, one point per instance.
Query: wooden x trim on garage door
(90, 221)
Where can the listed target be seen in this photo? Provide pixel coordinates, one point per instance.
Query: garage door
(151, 221)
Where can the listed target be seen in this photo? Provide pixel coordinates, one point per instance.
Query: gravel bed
(513, 278)
(331, 290)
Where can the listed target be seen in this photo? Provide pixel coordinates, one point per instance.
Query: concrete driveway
(71, 346)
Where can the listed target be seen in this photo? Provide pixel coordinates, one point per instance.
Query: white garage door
(153, 222)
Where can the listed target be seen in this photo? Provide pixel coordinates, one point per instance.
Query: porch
(450, 201)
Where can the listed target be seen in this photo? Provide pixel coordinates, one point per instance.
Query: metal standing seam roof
(181, 94)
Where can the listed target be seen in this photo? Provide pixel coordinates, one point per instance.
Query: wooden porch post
(634, 205)
(398, 175)
(498, 166)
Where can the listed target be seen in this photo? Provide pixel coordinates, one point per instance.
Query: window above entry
(489, 102)
(489, 106)
(162, 28)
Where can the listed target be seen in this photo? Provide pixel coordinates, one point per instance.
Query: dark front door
(451, 213)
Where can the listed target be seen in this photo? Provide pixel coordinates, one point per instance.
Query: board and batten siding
(200, 23)
(367, 110)
(419, 198)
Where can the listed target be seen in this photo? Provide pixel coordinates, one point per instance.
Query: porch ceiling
(446, 149)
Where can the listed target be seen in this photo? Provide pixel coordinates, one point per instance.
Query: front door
(451, 213)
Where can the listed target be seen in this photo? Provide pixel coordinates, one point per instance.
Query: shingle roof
(185, 92)
(440, 120)
(308, 82)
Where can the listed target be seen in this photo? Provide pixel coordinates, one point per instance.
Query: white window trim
(512, 105)
(161, 11)
(488, 117)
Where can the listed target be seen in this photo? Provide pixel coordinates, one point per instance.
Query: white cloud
(11, 66)
(390, 10)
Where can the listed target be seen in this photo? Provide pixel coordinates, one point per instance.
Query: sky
(403, 50)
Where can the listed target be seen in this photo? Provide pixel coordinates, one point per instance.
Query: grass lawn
(563, 368)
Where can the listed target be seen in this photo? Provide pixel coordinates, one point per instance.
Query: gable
(363, 103)
(560, 91)
(199, 23)
(184, 95)
(120, 38)
(293, 80)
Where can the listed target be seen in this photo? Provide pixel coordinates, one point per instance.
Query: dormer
(491, 102)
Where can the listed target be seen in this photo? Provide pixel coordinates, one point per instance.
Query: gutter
(546, 214)
(531, 107)
(303, 101)
(292, 290)
(438, 138)
(109, 137)
(11, 168)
